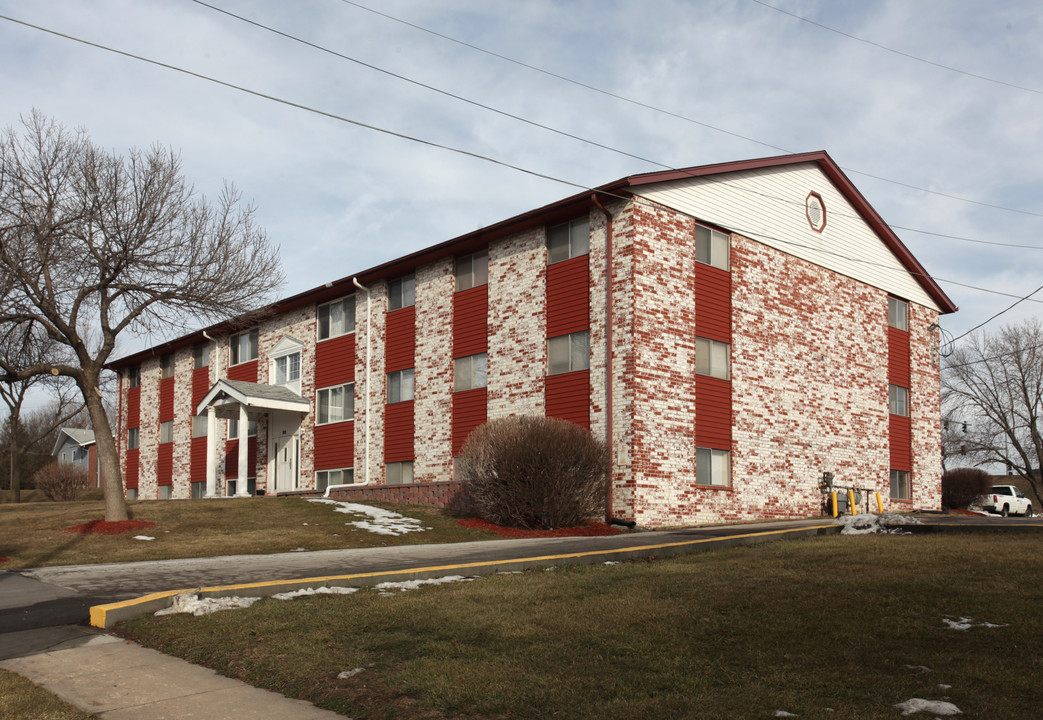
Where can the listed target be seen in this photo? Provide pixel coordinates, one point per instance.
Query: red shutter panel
(335, 361)
(470, 409)
(334, 446)
(568, 397)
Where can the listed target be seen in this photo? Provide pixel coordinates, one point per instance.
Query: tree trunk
(108, 459)
(15, 428)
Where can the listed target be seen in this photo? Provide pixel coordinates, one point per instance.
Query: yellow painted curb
(105, 616)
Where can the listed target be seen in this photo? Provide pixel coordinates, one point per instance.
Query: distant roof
(560, 211)
(78, 435)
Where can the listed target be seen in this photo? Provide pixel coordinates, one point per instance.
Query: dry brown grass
(22, 700)
(31, 534)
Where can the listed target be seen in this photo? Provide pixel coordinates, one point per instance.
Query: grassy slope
(31, 534)
(800, 626)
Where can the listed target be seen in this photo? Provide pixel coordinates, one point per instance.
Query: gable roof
(254, 396)
(78, 436)
(553, 213)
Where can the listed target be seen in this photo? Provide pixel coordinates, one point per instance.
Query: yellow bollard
(833, 498)
(879, 504)
(851, 502)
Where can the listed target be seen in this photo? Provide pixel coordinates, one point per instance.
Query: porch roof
(253, 396)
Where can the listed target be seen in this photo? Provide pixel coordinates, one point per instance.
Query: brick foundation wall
(438, 494)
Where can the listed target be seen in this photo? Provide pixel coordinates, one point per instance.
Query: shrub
(61, 482)
(963, 486)
(533, 472)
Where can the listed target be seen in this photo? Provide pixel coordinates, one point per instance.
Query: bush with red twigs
(963, 486)
(61, 482)
(533, 472)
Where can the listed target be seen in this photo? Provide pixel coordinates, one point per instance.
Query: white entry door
(286, 451)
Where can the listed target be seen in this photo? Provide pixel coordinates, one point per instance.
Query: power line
(898, 52)
(1001, 312)
(672, 114)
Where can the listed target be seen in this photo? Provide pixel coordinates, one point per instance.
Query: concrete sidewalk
(120, 680)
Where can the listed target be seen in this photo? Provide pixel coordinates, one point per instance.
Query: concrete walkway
(120, 680)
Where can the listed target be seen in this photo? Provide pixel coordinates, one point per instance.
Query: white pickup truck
(1006, 500)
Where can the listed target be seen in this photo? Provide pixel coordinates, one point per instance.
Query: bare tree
(94, 244)
(995, 382)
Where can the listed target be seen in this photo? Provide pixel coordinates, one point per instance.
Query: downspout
(609, 418)
(369, 393)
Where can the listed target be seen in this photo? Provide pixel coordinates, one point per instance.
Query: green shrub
(534, 472)
(963, 486)
(61, 482)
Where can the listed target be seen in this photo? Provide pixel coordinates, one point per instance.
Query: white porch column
(211, 452)
(242, 488)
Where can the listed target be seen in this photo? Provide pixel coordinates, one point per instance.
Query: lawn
(836, 627)
(22, 700)
(33, 534)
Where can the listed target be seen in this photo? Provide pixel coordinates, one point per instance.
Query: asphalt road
(53, 596)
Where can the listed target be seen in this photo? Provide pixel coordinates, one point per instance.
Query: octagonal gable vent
(816, 212)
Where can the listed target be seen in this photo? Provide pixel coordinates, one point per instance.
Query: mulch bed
(104, 527)
(588, 530)
(3, 559)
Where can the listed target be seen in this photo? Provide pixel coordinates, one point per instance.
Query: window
(242, 347)
(164, 492)
(400, 386)
(898, 313)
(132, 438)
(325, 478)
(199, 426)
(472, 271)
(166, 431)
(711, 358)
(470, 372)
(713, 467)
(132, 493)
(201, 356)
(899, 400)
(166, 366)
(251, 486)
(402, 293)
(900, 485)
(336, 404)
(337, 318)
(568, 353)
(399, 473)
(233, 429)
(287, 369)
(711, 247)
(568, 240)
(198, 490)
(134, 377)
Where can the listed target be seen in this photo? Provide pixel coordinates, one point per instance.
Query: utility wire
(557, 131)
(467, 153)
(898, 52)
(1001, 312)
(678, 116)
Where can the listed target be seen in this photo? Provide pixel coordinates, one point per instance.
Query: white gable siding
(768, 205)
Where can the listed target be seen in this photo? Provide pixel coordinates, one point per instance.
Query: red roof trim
(558, 212)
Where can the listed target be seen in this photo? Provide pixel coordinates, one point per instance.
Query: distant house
(731, 331)
(76, 446)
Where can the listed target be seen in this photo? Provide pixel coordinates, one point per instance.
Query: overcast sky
(727, 80)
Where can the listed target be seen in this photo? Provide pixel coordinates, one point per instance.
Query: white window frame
(901, 485)
(245, 341)
(472, 270)
(323, 477)
(568, 240)
(715, 463)
(166, 432)
(712, 247)
(898, 400)
(897, 313)
(396, 473)
(713, 358)
(402, 292)
(326, 327)
(287, 369)
(568, 353)
(400, 386)
(471, 372)
(323, 404)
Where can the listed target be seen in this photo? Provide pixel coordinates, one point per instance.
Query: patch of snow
(944, 687)
(324, 590)
(611, 562)
(783, 713)
(867, 523)
(379, 521)
(966, 623)
(938, 707)
(350, 673)
(143, 537)
(299, 550)
(192, 603)
(386, 588)
(919, 668)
